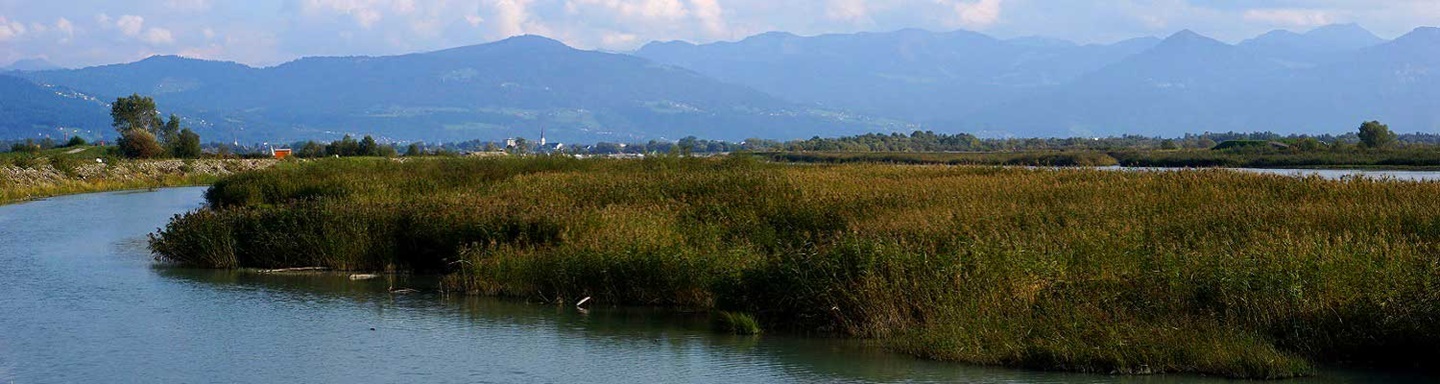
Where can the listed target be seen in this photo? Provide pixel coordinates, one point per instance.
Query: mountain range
(781, 86)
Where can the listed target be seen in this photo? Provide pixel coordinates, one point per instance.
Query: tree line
(144, 134)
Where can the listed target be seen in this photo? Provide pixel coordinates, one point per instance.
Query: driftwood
(301, 269)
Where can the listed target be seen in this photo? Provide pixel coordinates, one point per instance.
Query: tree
(1376, 135)
(136, 112)
(311, 150)
(368, 147)
(522, 146)
(414, 150)
(689, 144)
(387, 151)
(1168, 145)
(346, 146)
(171, 131)
(75, 141)
(140, 144)
(186, 145)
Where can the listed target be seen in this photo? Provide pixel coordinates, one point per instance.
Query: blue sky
(268, 32)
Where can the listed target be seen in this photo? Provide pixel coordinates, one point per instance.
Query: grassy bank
(54, 173)
(1212, 272)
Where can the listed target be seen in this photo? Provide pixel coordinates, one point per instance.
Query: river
(82, 300)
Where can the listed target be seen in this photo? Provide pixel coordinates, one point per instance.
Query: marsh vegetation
(1213, 272)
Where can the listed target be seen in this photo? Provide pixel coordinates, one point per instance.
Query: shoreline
(44, 180)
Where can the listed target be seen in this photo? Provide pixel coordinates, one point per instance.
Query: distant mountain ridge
(513, 87)
(29, 110)
(783, 86)
(911, 74)
(35, 64)
(1323, 80)
(1189, 83)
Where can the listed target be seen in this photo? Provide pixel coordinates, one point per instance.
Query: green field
(1212, 272)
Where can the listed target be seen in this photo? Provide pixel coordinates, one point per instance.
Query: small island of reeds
(1210, 272)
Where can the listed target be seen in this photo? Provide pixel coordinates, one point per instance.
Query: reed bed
(1211, 272)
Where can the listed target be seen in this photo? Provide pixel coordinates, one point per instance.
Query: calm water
(1334, 174)
(1344, 173)
(81, 300)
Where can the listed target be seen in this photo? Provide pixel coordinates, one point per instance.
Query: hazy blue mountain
(1319, 46)
(29, 110)
(779, 85)
(30, 65)
(513, 87)
(1397, 82)
(1179, 85)
(912, 74)
(1190, 83)
(1332, 38)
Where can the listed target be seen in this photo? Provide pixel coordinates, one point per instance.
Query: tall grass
(1214, 272)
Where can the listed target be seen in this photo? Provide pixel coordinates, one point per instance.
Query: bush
(75, 141)
(139, 144)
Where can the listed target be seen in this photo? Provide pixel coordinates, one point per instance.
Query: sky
(77, 33)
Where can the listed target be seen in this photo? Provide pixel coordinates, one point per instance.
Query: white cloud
(365, 12)
(189, 5)
(158, 36)
(130, 25)
(512, 17)
(847, 10)
(403, 6)
(9, 30)
(635, 9)
(65, 27)
(978, 14)
(1290, 17)
(711, 16)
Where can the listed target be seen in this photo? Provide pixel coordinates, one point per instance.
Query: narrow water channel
(82, 300)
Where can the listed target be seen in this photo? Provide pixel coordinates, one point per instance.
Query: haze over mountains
(783, 86)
